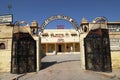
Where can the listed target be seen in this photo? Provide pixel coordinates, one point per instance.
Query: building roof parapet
(113, 23)
(100, 23)
(25, 29)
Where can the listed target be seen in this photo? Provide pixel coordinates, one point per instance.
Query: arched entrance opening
(60, 40)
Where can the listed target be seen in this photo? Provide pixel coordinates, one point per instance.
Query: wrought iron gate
(97, 51)
(23, 53)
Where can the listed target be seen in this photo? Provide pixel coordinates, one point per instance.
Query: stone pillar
(65, 47)
(55, 47)
(82, 52)
(73, 47)
(46, 47)
(38, 54)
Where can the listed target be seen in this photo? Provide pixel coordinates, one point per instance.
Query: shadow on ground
(43, 55)
(47, 64)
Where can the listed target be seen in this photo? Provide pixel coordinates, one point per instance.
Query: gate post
(38, 54)
(82, 52)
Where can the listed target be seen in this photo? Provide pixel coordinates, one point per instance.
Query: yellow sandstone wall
(5, 57)
(5, 61)
(115, 56)
(5, 54)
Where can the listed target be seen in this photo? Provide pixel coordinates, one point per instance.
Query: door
(97, 52)
(59, 48)
(93, 54)
(23, 55)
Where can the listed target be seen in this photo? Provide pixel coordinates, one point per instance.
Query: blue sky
(40, 10)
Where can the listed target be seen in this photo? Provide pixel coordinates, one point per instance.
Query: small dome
(34, 23)
(84, 20)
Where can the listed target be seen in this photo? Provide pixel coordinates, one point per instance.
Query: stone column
(82, 52)
(55, 47)
(38, 54)
(73, 47)
(65, 47)
(46, 48)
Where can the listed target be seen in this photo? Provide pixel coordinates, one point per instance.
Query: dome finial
(84, 20)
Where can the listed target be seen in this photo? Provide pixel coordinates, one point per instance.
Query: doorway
(59, 48)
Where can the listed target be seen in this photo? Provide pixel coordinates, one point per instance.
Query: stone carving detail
(100, 20)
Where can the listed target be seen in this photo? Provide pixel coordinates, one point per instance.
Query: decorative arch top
(67, 18)
(100, 19)
(21, 23)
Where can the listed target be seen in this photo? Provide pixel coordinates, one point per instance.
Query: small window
(2, 46)
(33, 31)
(85, 29)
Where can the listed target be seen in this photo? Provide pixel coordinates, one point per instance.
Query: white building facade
(59, 41)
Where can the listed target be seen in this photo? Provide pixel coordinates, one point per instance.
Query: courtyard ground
(63, 67)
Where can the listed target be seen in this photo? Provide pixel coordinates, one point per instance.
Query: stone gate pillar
(82, 53)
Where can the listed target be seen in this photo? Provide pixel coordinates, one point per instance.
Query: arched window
(33, 31)
(85, 29)
(2, 46)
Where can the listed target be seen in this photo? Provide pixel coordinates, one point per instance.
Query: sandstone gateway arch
(22, 39)
(60, 44)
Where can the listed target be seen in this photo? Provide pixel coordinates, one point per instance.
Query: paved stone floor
(63, 67)
(61, 58)
(68, 71)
